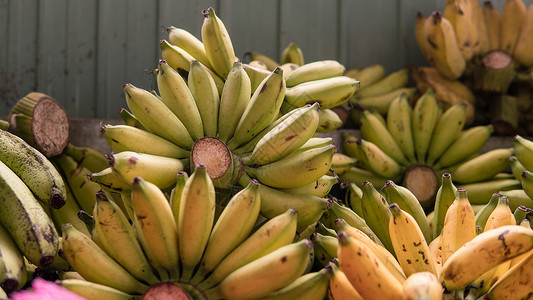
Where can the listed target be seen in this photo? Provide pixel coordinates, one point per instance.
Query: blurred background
(81, 52)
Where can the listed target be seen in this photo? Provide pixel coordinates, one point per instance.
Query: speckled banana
(409, 244)
(481, 167)
(447, 128)
(262, 109)
(340, 286)
(156, 116)
(128, 138)
(399, 116)
(204, 90)
(366, 272)
(217, 43)
(155, 226)
(513, 283)
(320, 187)
(286, 137)
(466, 144)
(435, 251)
(156, 169)
(94, 291)
(443, 47)
(111, 180)
(422, 285)
(33, 168)
(118, 239)
(512, 19)
(275, 233)
(408, 202)
(233, 101)
(424, 119)
(292, 54)
(329, 92)
(188, 42)
(196, 219)
(95, 265)
(304, 168)
(522, 53)
(459, 225)
(266, 274)
(13, 274)
(375, 213)
(316, 70)
(392, 81)
(483, 252)
(231, 228)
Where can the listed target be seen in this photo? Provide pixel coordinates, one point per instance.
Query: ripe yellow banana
(424, 119)
(481, 167)
(478, 21)
(420, 38)
(340, 286)
(483, 214)
(292, 54)
(458, 13)
(493, 22)
(269, 62)
(217, 43)
(188, 42)
(422, 285)
(514, 283)
(522, 52)
(204, 91)
(329, 92)
(512, 20)
(316, 70)
(448, 127)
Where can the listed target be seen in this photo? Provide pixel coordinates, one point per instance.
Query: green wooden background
(81, 52)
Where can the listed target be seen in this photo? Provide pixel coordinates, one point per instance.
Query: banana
(156, 169)
(95, 265)
(89, 157)
(520, 215)
(523, 150)
(338, 212)
(274, 202)
(369, 74)
(111, 180)
(317, 70)
(359, 175)
(232, 227)
(444, 198)
(324, 248)
(522, 51)
(399, 125)
(205, 93)
(35, 169)
(448, 127)
(527, 183)
(262, 109)
(179, 97)
(340, 286)
(233, 101)
(328, 120)
(512, 19)
(268, 61)
(156, 116)
(449, 91)
(288, 68)
(484, 213)
(176, 195)
(373, 130)
(513, 284)
(256, 75)
(459, 225)
(381, 103)
(376, 213)
(266, 274)
(501, 215)
(341, 163)
(13, 274)
(422, 285)
(365, 271)
(420, 38)
(424, 119)
(392, 81)
(274, 234)
(481, 167)
(155, 226)
(329, 92)
(516, 168)
(320, 187)
(303, 168)
(26, 220)
(480, 27)
(517, 197)
(409, 244)
(353, 197)
(408, 203)
(188, 42)
(258, 63)
(118, 239)
(129, 119)
(196, 219)
(479, 193)
(493, 23)
(483, 252)
(458, 13)
(443, 47)
(217, 43)
(373, 158)
(435, 251)
(128, 138)
(292, 54)
(313, 285)
(467, 143)
(286, 137)
(93, 291)
(69, 214)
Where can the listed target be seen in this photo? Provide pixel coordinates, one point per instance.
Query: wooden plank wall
(82, 52)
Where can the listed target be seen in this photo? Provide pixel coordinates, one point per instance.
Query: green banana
(443, 200)
(447, 128)
(376, 213)
(206, 95)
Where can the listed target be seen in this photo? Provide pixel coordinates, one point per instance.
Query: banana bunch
(481, 56)
(521, 165)
(176, 243)
(415, 145)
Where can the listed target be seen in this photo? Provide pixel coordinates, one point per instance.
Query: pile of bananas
(472, 47)
(29, 187)
(178, 244)
(415, 146)
(521, 167)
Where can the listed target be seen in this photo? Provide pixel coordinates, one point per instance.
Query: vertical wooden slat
(18, 51)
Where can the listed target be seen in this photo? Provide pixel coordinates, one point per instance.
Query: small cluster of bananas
(179, 243)
(521, 167)
(415, 145)
(473, 47)
(30, 186)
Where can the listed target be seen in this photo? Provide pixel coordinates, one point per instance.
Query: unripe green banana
(217, 43)
(176, 195)
(206, 96)
(359, 175)
(523, 150)
(337, 211)
(389, 83)
(425, 117)
(481, 167)
(129, 119)
(527, 183)
(371, 74)
(321, 69)
(110, 180)
(320, 187)
(516, 167)
(443, 200)
(311, 286)
(399, 125)
(256, 75)
(376, 213)
(35, 169)
(376, 160)
(480, 192)
(329, 92)
(448, 127)
(89, 157)
(381, 103)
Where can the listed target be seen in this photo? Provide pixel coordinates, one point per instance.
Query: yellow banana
(420, 38)
(512, 20)
(522, 52)
(478, 21)
(13, 274)
(313, 285)
(458, 13)
(376, 160)
(523, 150)
(328, 120)
(481, 167)
(329, 92)
(513, 284)
(292, 54)
(288, 68)
(93, 291)
(320, 187)
(448, 127)
(341, 163)
(483, 214)
(340, 286)
(206, 95)
(422, 285)
(399, 125)
(493, 22)
(435, 251)
(424, 119)
(316, 70)
(188, 42)
(392, 81)
(217, 43)
(268, 61)
(256, 75)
